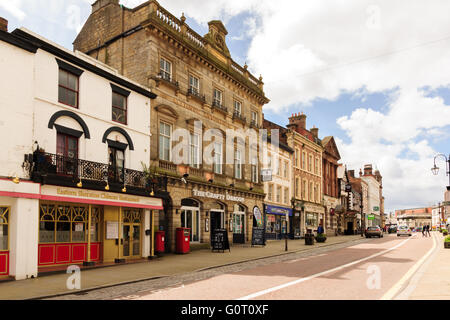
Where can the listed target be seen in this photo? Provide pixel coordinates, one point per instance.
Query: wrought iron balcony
(240, 117)
(56, 169)
(192, 92)
(253, 124)
(167, 78)
(216, 104)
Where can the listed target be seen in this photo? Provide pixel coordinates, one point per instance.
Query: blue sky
(365, 72)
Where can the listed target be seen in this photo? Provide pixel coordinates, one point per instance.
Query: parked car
(404, 231)
(392, 229)
(374, 232)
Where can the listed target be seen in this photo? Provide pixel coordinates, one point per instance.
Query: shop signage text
(96, 195)
(207, 194)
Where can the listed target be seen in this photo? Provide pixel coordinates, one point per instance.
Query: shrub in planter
(447, 243)
(321, 237)
(444, 232)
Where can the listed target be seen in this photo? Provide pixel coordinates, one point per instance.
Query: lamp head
(435, 170)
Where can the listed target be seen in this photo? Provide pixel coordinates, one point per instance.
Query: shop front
(277, 222)
(79, 226)
(314, 217)
(4, 241)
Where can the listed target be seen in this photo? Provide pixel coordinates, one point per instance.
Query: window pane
(4, 237)
(71, 98)
(62, 95)
(46, 232)
(62, 78)
(73, 82)
(63, 232)
(78, 232)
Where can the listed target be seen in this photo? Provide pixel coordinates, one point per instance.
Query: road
(371, 270)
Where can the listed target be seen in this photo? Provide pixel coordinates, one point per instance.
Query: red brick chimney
(3, 24)
(297, 121)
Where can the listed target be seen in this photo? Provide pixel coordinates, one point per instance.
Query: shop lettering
(192, 310)
(87, 194)
(207, 194)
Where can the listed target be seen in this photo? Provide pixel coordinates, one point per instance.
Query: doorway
(350, 230)
(132, 234)
(217, 218)
(239, 224)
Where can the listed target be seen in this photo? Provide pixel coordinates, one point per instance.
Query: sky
(372, 73)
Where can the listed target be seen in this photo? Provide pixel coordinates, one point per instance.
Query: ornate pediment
(331, 148)
(167, 110)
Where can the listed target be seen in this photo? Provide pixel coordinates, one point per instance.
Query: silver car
(404, 231)
(374, 232)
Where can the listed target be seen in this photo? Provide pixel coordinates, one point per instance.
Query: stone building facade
(309, 211)
(199, 88)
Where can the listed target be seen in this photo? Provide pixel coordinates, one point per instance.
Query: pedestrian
(428, 230)
(423, 231)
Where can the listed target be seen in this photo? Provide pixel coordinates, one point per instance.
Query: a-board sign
(219, 240)
(259, 237)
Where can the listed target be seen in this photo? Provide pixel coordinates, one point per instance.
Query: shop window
(4, 223)
(63, 224)
(311, 219)
(119, 108)
(67, 223)
(270, 223)
(68, 88)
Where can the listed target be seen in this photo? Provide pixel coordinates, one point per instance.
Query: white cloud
(14, 8)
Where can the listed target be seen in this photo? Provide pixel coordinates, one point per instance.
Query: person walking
(423, 231)
(428, 230)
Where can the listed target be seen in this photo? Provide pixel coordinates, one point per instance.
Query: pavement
(432, 281)
(166, 266)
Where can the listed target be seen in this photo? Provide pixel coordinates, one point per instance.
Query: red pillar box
(159, 241)
(183, 240)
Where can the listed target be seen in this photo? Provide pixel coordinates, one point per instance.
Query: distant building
(416, 217)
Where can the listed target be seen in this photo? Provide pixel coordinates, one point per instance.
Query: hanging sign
(266, 175)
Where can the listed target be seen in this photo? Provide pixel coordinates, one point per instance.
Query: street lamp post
(363, 218)
(435, 169)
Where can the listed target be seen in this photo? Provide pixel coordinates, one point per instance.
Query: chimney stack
(101, 3)
(368, 170)
(315, 132)
(297, 121)
(3, 24)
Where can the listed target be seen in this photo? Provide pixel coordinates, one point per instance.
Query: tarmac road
(367, 271)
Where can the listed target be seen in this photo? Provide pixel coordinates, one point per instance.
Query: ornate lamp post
(435, 169)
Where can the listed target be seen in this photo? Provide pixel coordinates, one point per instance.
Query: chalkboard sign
(219, 240)
(259, 237)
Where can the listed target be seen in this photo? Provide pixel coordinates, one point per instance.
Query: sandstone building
(197, 82)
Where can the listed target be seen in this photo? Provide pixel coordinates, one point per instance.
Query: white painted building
(75, 135)
(374, 200)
